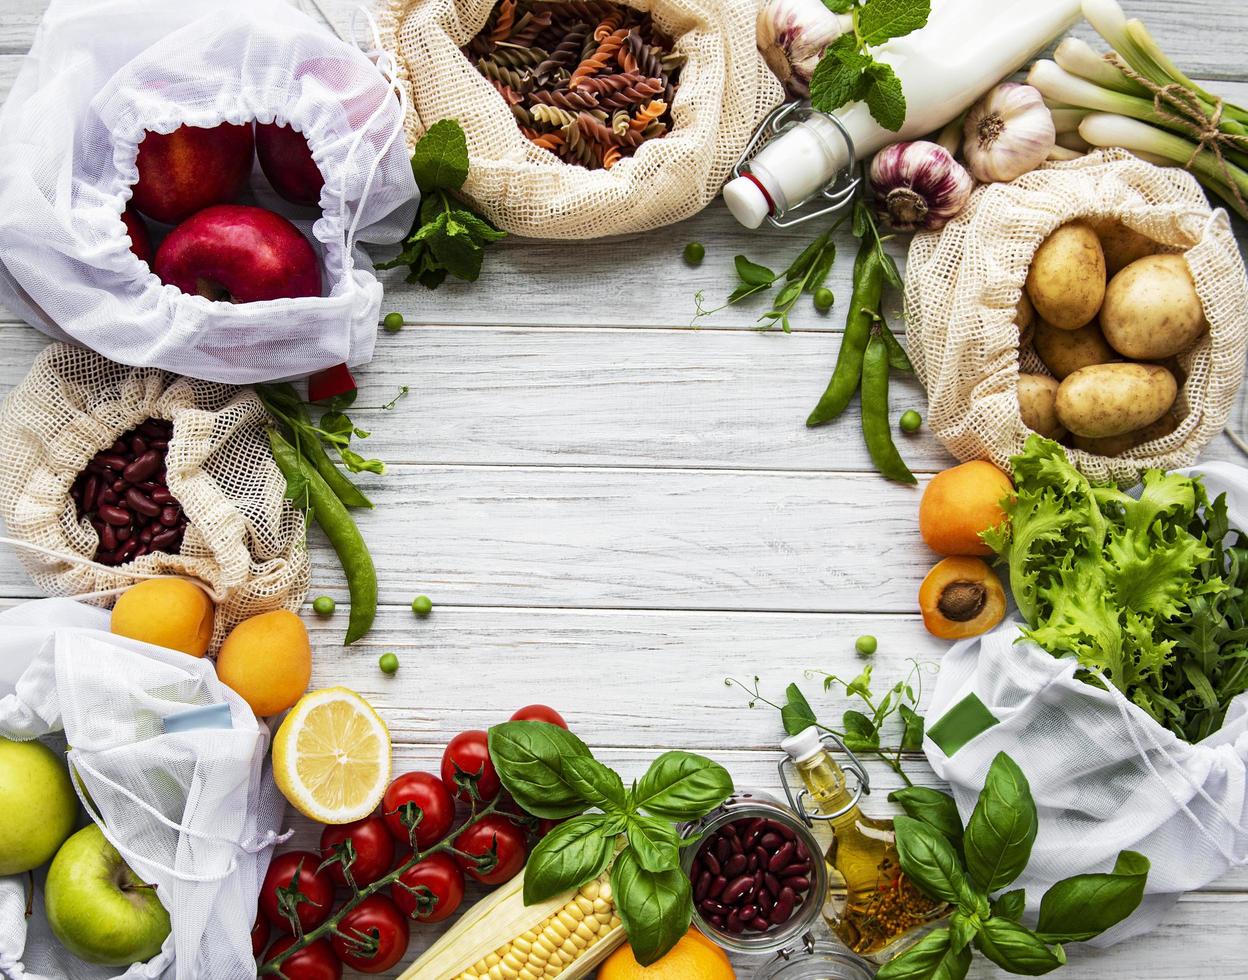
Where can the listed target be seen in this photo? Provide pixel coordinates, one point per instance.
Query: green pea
(910, 421)
(388, 663)
(323, 605)
(824, 299)
(422, 606)
(695, 252)
(393, 322)
(866, 644)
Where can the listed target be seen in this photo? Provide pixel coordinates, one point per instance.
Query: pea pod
(345, 538)
(864, 307)
(284, 405)
(875, 428)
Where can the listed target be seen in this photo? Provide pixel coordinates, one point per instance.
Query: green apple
(98, 908)
(37, 802)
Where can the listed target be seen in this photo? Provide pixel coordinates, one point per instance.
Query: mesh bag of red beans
(113, 471)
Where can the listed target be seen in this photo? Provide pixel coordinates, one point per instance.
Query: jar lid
(822, 961)
(806, 744)
(746, 200)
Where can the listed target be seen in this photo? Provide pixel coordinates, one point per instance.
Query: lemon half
(331, 756)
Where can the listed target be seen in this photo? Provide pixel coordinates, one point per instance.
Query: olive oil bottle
(871, 906)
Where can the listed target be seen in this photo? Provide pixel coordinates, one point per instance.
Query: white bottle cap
(804, 745)
(747, 202)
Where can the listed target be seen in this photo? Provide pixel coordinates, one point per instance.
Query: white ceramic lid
(746, 201)
(804, 745)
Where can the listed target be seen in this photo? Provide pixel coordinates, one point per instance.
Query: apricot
(961, 597)
(166, 612)
(268, 660)
(959, 504)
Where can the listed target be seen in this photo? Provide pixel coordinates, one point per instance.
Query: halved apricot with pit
(961, 597)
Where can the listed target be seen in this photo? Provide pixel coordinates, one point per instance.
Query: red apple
(190, 169)
(287, 161)
(239, 254)
(140, 239)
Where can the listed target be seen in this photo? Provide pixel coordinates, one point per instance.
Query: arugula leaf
(440, 158)
(880, 20)
(656, 908)
(570, 855)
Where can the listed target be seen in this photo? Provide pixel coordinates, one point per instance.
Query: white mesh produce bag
(194, 812)
(1105, 776)
(100, 74)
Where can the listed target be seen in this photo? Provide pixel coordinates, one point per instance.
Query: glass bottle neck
(828, 787)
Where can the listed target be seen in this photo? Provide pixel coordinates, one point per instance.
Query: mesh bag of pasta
(585, 118)
(109, 474)
(965, 284)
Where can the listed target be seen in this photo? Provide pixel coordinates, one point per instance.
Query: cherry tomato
(498, 832)
(440, 884)
(377, 922)
(540, 712)
(545, 826)
(430, 794)
(314, 962)
(373, 845)
(317, 888)
(259, 935)
(469, 752)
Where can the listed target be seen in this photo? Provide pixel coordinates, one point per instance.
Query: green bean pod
(898, 359)
(875, 428)
(338, 481)
(345, 538)
(864, 306)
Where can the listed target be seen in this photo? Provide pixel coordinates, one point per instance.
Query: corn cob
(500, 938)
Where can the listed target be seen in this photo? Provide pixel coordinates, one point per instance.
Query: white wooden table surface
(614, 512)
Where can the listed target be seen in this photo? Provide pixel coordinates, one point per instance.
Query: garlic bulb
(1007, 133)
(792, 36)
(918, 186)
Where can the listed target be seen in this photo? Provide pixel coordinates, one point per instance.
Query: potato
(1117, 445)
(1151, 309)
(1066, 281)
(1121, 245)
(1111, 399)
(1066, 351)
(1025, 320)
(1037, 394)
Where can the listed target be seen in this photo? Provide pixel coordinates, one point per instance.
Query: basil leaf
(1011, 905)
(932, 807)
(682, 786)
(879, 20)
(597, 784)
(929, 859)
(570, 855)
(797, 715)
(753, 273)
(962, 930)
(656, 909)
(1016, 949)
(440, 159)
(1002, 829)
(656, 844)
(1080, 908)
(931, 958)
(881, 90)
(529, 757)
(836, 77)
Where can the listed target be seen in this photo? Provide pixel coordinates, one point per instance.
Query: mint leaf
(440, 159)
(836, 78)
(881, 91)
(456, 251)
(839, 6)
(880, 20)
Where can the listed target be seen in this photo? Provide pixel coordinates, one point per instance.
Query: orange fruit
(693, 958)
(166, 612)
(268, 660)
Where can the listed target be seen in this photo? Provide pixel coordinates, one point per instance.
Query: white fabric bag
(100, 74)
(194, 812)
(1105, 776)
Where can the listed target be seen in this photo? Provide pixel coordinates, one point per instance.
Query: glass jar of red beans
(758, 876)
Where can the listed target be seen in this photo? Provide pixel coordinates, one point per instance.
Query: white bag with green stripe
(1105, 776)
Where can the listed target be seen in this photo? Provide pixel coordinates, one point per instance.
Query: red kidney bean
(113, 461)
(148, 508)
(737, 846)
(734, 924)
(786, 832)
(749, 912)
(123, 534)
(765, 901)
(703, 886)
(711, 907)
(718, 886)
(143, 467)
(138, 445)
(786, 895)
(770, 840)
(772, 883)
(718, 921)
(797, 884)
(781, 912)
(738, 889)
(800, 849)
(800, 868)
(106, 497)
(728, 830)
(763, 855)
(734, 865)
(108, 538)
(165, 539)
(170, 515)
(782, 858)
(114, 515)
(712, 862)
(89, 491)
(160, 495)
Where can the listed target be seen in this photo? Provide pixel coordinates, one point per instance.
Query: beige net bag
(964, 282)
(726, 90)
(244, 541)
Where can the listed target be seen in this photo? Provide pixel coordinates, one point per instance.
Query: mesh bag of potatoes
(1101, 302)
(110, 474)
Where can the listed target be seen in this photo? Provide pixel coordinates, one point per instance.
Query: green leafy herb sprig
(553, 775)
(805, 276)
(861, 731)
(969, 867)
(448, 238)
(849, 72)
